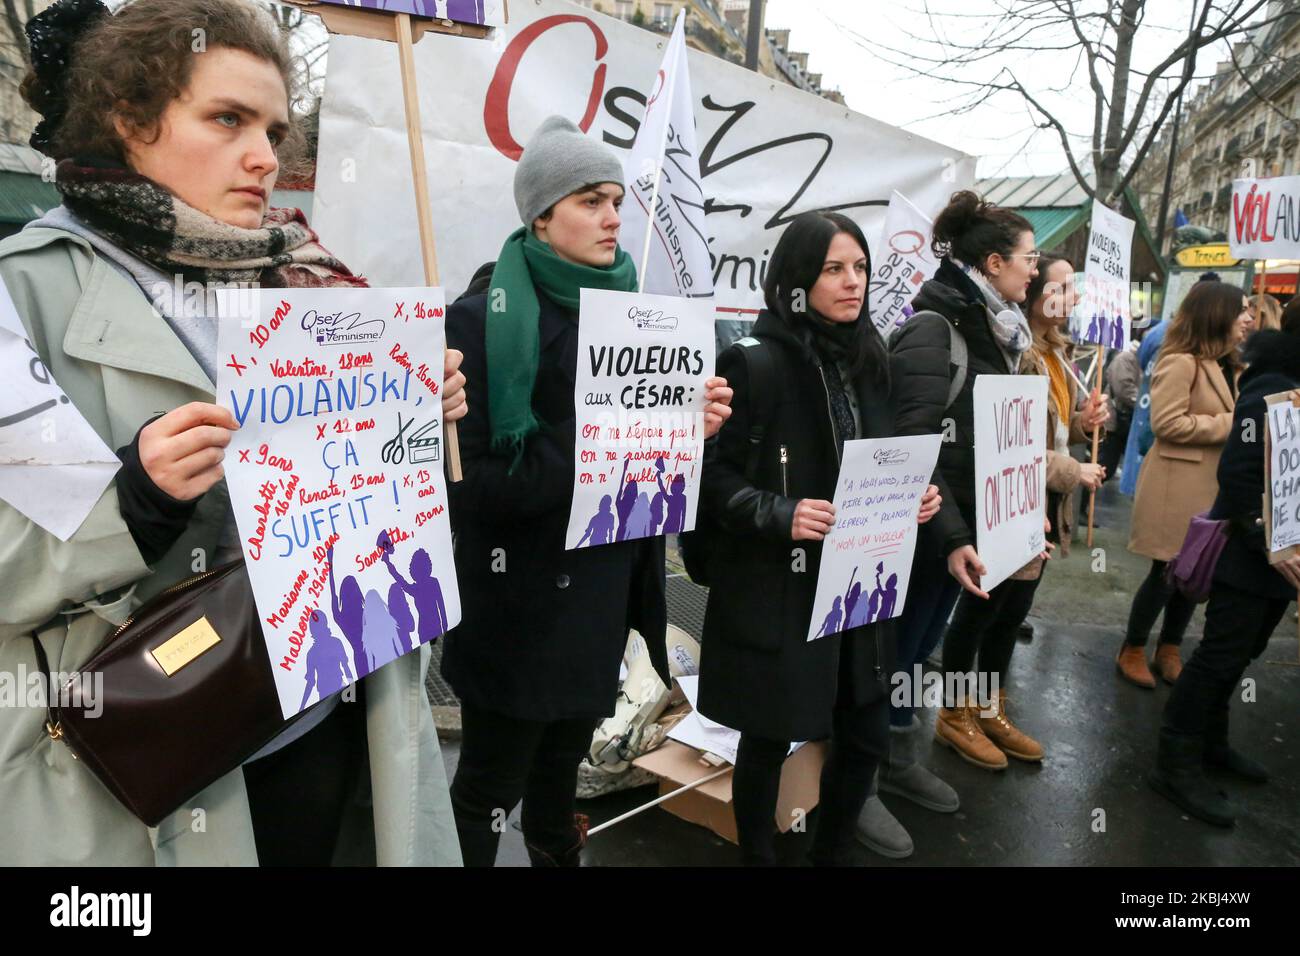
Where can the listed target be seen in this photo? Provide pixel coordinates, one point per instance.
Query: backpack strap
(760, 367)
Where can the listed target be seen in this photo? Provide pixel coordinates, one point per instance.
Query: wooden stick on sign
(1098, 362)
(420, 178)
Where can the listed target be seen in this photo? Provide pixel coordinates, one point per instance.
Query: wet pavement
(1087, 803)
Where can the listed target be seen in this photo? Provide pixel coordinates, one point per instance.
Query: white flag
(663, 172)
(902, 261)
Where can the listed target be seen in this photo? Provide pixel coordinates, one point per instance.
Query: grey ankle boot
(879, 831)
(903, 776)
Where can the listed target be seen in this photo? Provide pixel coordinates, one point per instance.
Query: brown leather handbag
(187, 695)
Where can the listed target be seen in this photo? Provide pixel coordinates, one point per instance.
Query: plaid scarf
(146, 220)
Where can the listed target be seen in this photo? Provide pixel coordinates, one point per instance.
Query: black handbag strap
(51, 692)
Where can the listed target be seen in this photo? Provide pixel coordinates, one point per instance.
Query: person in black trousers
(987, 261)
(759, 673)
(1247, 599)
(535, 659)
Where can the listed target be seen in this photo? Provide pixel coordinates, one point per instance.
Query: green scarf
(512, 337)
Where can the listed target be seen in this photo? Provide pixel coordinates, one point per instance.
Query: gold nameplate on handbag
(183, 648)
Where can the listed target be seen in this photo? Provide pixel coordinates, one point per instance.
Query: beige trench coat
(1191, 416)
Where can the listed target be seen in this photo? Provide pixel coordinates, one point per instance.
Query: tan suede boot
(1168, 663)
(959, 728)
(999, 729)
(1132, 666)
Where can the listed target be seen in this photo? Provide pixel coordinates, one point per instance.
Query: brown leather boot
(1132, 666)
(999, 729)
(958, 728)
(1168, 663)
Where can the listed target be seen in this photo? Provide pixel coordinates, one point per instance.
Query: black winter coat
(543, 629)
(759, 673)
(1274, 366)
(922, 371)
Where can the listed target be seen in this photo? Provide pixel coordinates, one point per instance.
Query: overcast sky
(1001, 132)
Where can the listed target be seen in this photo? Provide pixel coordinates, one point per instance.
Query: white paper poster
(335, 475)
(53, 465)
(1104, 313)
(642, 364)
(1265, 221)
(867, 557)
(677, 260)
(902, 261)
(1284, 475)
(767, 151)
(1010, 472)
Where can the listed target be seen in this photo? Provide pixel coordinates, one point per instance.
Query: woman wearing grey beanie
(535, 659)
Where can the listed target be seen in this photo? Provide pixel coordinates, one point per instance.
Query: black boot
(572, 856)
(1219, 754)
(1179, 777)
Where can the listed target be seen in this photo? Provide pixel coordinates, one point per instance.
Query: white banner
(1265, 221)
(663, 172)
(867, 557)
(767, 151)
(1010, 472)
(53, 466)
(639, 396)
(902, 261)
(335, 475)
(1104, 314)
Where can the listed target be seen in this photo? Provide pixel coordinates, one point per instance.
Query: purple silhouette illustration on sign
(625, 502)
(380, 632)
(831, 624)
(466, 11)
(600, 529)
(403, 620)
(348, 610)
(423, 588)
(675, 496)
(327, 662)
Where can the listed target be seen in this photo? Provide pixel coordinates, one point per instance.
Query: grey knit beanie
(560, 159)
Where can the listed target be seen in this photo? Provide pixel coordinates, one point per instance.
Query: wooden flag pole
(1096, 438)
(420, 178)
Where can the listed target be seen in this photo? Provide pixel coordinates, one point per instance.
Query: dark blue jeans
(931, 594)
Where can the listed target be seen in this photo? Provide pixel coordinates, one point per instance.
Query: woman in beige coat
(1193, 390)
(191, 151)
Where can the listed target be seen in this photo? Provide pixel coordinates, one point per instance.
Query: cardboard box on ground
(710, 804)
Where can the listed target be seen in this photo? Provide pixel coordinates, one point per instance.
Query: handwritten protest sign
(1104, 313)
(53, 466)
(1282, 480)
(867, 557)
(1265, 218)
(335, 475)
(486, 12)
(642, 364)
(1010, 472)
(902, 261)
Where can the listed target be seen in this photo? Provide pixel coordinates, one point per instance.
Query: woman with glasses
(987, 262)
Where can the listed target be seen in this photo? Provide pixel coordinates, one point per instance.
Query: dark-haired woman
(760, 673)
(189, 147)
(987, 261)
(1247, 598)
(1193, 388)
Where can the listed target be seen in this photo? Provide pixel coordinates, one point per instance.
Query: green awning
(24, 197)
(1053, 225)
